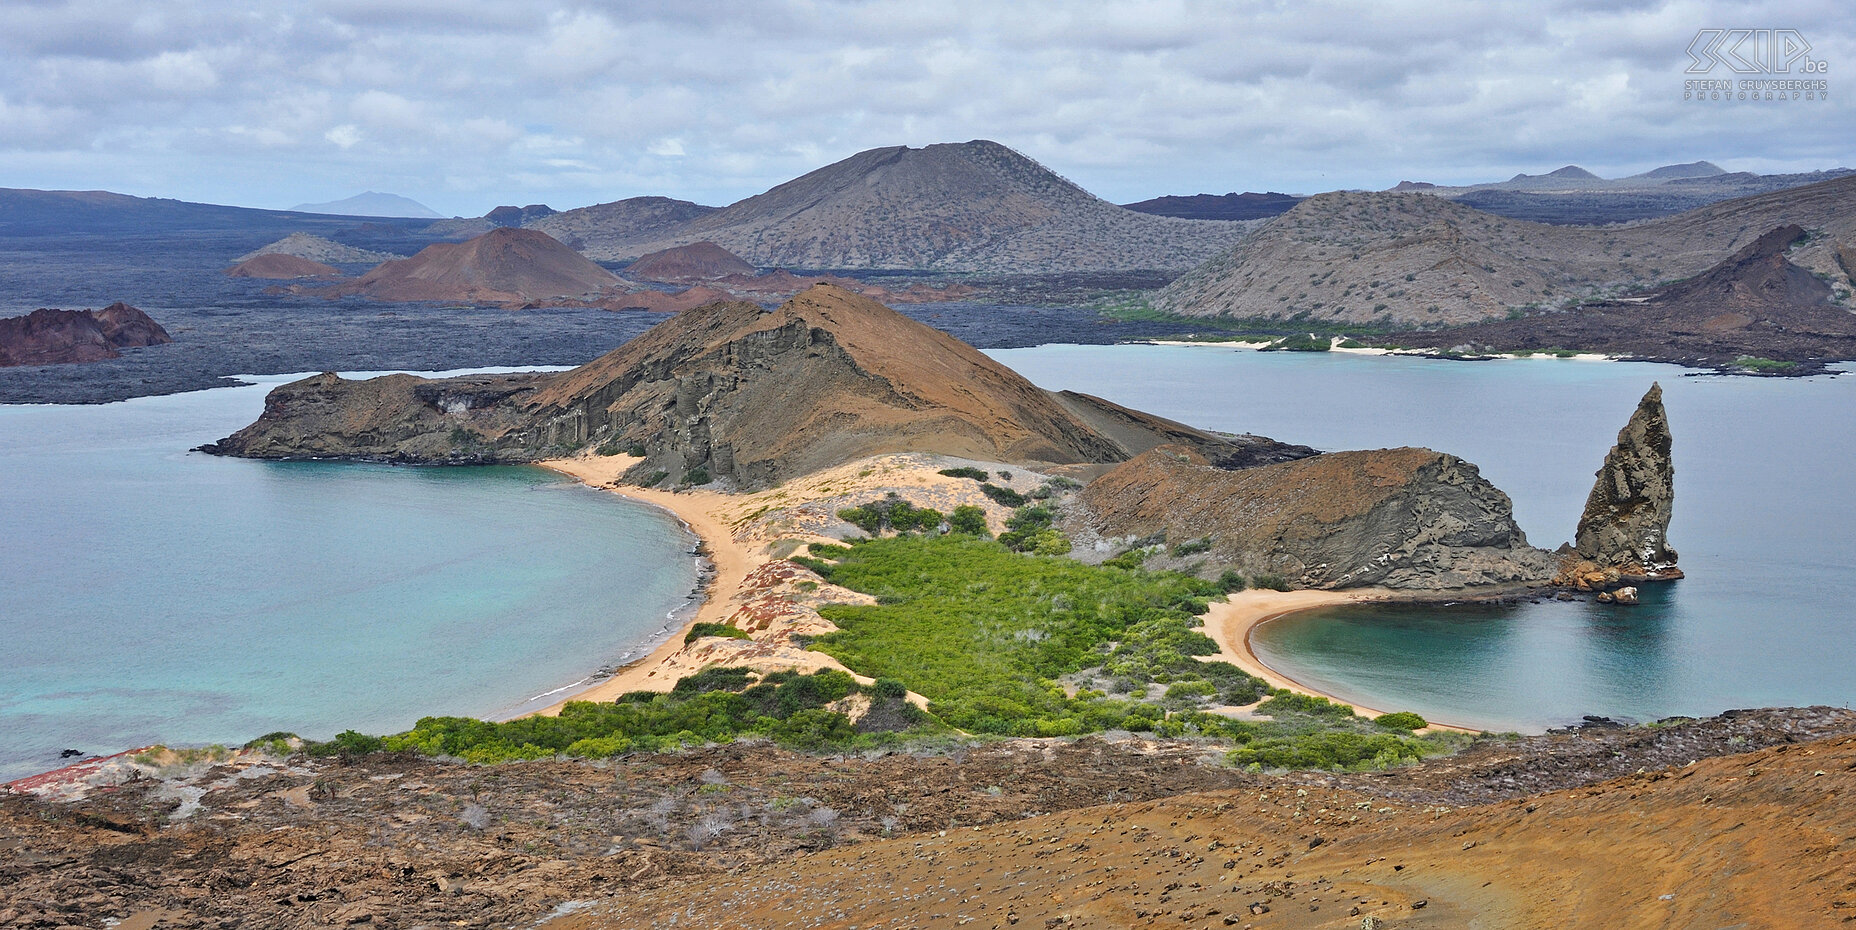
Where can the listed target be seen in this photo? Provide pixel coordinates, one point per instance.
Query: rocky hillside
(727, 389)
(1248, 205)
(501, 266)
(1757, 304)
(318, 249)
(604, 231)
(1623, 535)
(970, 207)
(1415, 260)
(1412, 519)
(698, 261)
(277, 266)
(49, 337)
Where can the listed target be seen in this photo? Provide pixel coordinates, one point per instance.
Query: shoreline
(1231, 623)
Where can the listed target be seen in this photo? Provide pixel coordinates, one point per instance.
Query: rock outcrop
(735, 390)
(278, 266)
(48, 337)
(1406, 518)
(1623, 536)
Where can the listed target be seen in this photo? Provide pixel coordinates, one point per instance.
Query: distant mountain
(1418, 260)
(53, 213)
(1694, 169)
(371, 203)
(501, 266)
(1244, 206)
(968, 207)
(1573, 195)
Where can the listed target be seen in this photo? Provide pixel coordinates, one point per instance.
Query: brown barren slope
(745, 393)
(277, 265)
(1766, 839)
(698, 261)
(501, 266)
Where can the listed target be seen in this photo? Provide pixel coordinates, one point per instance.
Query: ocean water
(149, 593)
(1764, 513)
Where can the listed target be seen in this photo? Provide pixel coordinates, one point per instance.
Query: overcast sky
(467, 104)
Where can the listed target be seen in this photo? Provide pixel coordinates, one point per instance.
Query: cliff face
(1402, 518)
(1625, 527)
(743, 393)
(50, 337)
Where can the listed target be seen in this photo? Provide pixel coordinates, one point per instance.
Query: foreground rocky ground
(1593, 828)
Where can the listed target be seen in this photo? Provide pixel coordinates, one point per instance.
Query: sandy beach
(740, 538)
(1230, 622)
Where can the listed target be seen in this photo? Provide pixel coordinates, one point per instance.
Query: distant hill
(746, 394)
(1415, 259)
(318, 249)
(501, 266)
(26, 212)
(278, 266)
(698, 261)
(371, 203)
(1694, 169)
(602, 230)
(1573, 195)
(968, 207)
(1244, 206)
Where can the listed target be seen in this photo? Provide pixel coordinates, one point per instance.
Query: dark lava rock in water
(1623, 535)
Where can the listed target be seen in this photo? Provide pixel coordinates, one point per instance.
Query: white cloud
(470, 103)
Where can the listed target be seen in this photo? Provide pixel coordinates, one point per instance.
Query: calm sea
(1765, 508)
(150, 593)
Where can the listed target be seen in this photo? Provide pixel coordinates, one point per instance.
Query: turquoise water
(1764, 510)
(150, 593)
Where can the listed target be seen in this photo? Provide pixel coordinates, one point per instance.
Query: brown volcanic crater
(507, 265)
(698, 261)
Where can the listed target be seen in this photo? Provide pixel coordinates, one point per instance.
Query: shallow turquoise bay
(151, 593)
(1765, 505)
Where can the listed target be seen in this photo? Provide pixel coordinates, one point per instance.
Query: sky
(467, 104)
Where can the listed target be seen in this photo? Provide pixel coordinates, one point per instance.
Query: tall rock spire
(1623, 536)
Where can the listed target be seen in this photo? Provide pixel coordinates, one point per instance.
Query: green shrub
(654, 479)
(1330, 749)
(965, 471)
(1290, 702)
(1192, 547)
(1402, 720)
(968, 519)
(1127, 561)
(347, 743)
(697, 476)
(1006, 497)
(700, 630)
(1230, 582)
(1269, 582)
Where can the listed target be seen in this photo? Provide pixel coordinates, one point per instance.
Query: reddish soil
(686, 264)
(276, 265)
(50, 337)
(503, 266)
